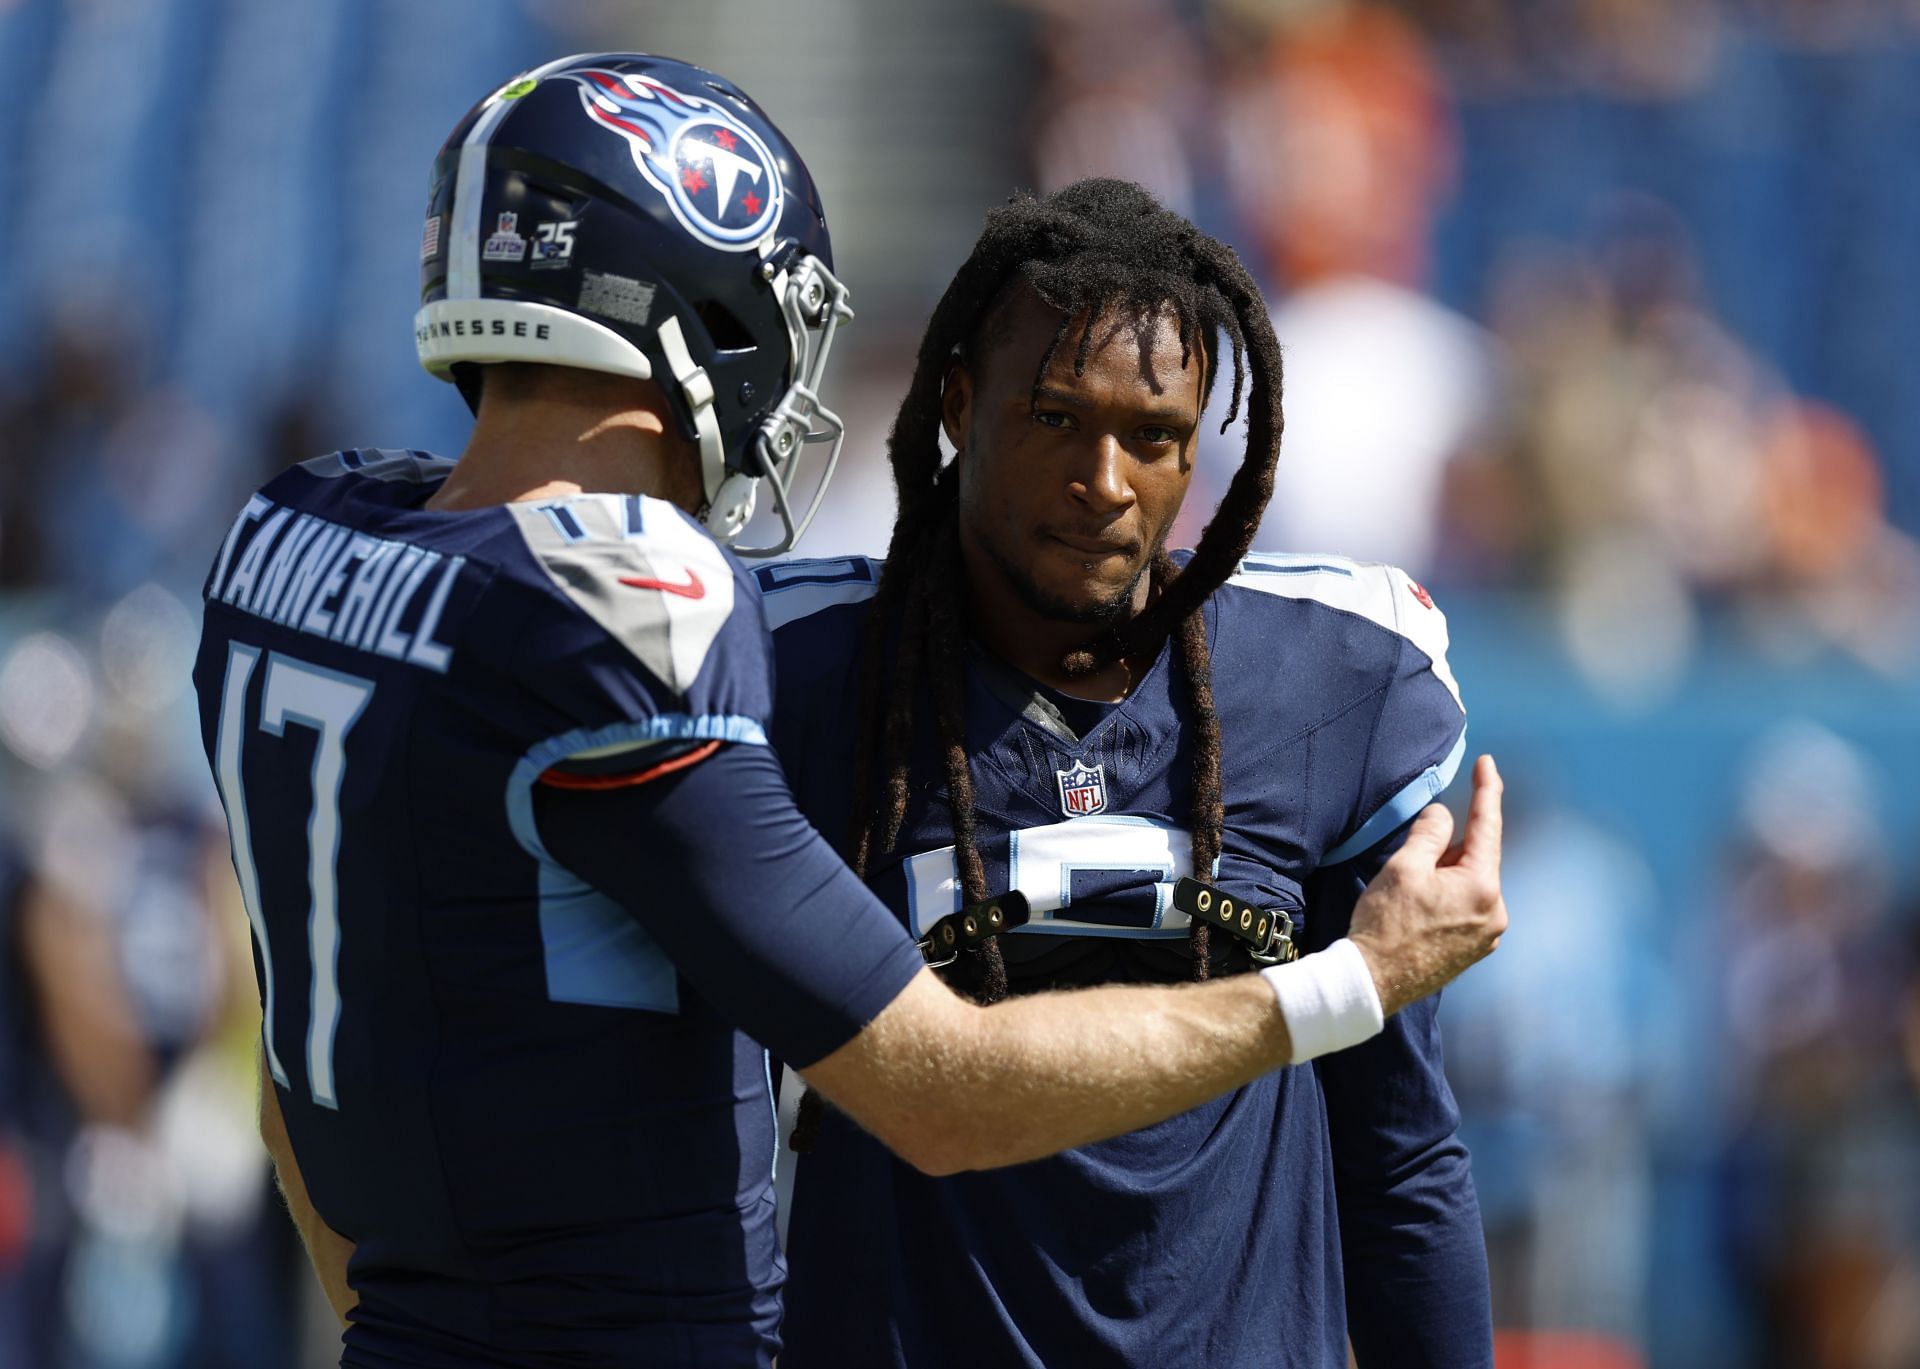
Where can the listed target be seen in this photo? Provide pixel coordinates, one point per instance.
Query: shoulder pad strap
(377, 463)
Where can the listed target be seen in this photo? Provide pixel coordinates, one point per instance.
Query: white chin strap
(729, 497)
(729, 507)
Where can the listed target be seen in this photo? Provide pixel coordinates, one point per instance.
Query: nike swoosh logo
(691, 588)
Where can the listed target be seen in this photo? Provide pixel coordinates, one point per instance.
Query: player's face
(1065, 500)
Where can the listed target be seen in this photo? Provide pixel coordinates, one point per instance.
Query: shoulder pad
(658, 585)
(792, 590)
(1384, 594)
(377, 463)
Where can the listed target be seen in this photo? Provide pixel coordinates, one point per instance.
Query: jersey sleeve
(1419, 730)
(755, 910)
(1410, 1230)
(643, 641)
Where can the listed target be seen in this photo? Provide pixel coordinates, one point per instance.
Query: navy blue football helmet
(640, 216)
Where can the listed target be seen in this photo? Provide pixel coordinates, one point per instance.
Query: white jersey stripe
(469, 186)
(801, 587)
(1384, 594)
(803, 601)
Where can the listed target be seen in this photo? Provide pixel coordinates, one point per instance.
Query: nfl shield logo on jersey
(1083, 789)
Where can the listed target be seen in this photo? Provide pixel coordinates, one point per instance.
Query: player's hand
(1433, 909)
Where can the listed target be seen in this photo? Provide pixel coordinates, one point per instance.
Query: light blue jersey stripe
(596, 952)
(1399, 810)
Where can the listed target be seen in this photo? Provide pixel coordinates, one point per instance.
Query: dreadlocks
(1099, 249)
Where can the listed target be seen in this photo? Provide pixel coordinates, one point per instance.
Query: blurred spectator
(1123, 95)
(1632, 409)
(52, 428)
(1836, 569)
(1823, 1125)
(141, 1235)
(1629, 49)
(1558, 1048)
(1341, 152)
(1342, 145)
(1649, 461)
(1893, 1322)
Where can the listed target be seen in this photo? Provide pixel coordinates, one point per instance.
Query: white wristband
(1328, 1000)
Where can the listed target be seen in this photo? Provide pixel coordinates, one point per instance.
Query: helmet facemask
(814, 304)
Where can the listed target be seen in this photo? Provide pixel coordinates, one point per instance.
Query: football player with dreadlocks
(530, 896)
(1190, 764)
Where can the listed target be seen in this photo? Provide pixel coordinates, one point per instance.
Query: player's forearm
(1049, 1074)
(950, 1086)
(92, 1038)
(1032, 1076)
(328, 1250)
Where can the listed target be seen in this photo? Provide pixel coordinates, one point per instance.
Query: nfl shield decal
(717, 176)
(1083, 789)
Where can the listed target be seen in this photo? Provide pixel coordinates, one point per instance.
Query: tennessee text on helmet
(639, 216)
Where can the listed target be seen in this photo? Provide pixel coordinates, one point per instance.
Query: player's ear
(956, 404)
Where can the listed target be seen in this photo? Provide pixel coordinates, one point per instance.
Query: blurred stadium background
(1601, 318)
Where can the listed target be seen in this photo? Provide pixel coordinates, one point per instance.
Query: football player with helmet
(530, 898)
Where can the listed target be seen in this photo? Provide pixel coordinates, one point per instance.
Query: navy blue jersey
(530, 1104)
(1215, 1237)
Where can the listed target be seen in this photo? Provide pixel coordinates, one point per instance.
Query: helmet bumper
(490, 331)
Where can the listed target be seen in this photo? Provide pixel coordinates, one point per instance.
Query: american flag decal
(430, 238)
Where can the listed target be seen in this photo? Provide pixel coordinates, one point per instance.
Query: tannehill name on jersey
(330, 581)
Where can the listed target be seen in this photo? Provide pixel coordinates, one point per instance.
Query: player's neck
(1029, 641)
(549, 448)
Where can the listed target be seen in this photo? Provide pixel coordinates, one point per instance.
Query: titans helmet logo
(719, 178)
